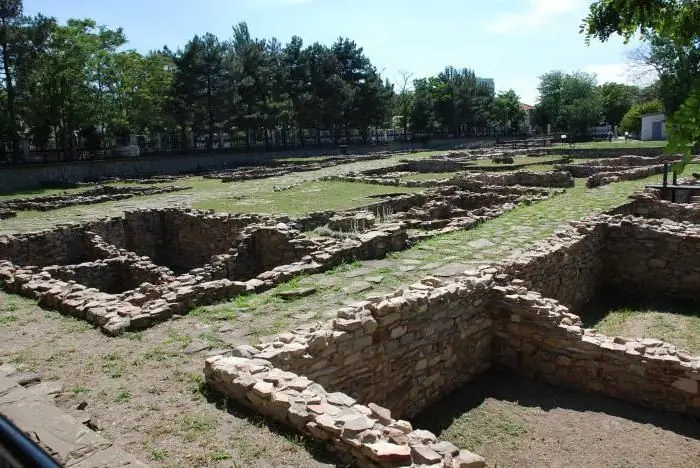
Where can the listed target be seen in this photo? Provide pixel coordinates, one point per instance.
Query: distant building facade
(486, 82)
(653, 127)
(527, 126)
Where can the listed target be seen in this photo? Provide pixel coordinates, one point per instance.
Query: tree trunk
(302, 143)
(10, 88)
(210, 110)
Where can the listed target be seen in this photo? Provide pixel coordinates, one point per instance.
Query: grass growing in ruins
(619, 144)
(672, 326)
(519, 160)
(480, 426)
(426, 176)
(306, 198)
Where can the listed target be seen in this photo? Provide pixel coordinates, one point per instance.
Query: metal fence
(19, 451)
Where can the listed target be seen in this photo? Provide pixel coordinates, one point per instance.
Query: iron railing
(19, 451)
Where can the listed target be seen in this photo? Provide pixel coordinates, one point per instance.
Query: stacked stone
(87, 197)
(647, 205)
(260, 255)
(404, 350)
(525, 178)
(366, 436)
(359, 221)
(7, 213)
(538, 337)
(605, 178)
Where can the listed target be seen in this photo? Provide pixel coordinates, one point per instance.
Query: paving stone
(357, 287)
(296, 293)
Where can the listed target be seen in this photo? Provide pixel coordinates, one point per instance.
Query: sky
(512, 41)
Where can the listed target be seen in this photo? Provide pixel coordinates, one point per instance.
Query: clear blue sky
(512, 41)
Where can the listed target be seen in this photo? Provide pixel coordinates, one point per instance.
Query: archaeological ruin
(133, 271)
(354, 381)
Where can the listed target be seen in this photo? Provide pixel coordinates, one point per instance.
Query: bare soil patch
(516, 422)
(145, 390)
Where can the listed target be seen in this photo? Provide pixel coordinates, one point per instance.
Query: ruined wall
(539, 338)
(652, 257)
(566, 267)
(649, 206)
(403, 352)
(605, 178)
(525, 178)
(63, 245)
(361, 433)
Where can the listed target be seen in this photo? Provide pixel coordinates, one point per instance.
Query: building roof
(526, 107)
(653, 113)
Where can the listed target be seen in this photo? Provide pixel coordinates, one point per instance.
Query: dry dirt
(144, 391)
(515, 422)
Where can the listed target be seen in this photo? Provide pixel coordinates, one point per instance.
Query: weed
(193, 425)
(77, 390)
(123, 396)
(7, 319)
(159, 454)
(133, 336)
(112, 365)
(212, 338)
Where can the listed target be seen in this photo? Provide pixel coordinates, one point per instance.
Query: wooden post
(665, 182)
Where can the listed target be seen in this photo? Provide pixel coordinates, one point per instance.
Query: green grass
(306, 198)
(425, 176)
(479, 426)
(681, 328)
(519, 160)
(617, 144)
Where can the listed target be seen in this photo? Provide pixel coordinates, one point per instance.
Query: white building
(488, 82)
(653, 127)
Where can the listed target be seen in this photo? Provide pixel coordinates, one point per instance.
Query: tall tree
(507, 113)
(568, 102)
(673, 20)
(676, 68)
(616, 99)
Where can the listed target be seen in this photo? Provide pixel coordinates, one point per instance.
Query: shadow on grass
(509, 387)
(316, 448)
(608, 301)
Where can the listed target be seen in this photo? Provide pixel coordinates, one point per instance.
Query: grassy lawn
(519, 160)
(421, 176)
(673, 327)
(305, 198)
(620, 144)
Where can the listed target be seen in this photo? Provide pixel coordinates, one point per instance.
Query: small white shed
(653, 127)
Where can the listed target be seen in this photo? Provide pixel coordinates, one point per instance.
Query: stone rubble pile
(7, 213)
(88, 197)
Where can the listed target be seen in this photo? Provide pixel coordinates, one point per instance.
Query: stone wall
(605, 178)
(649, 206)
(404, 351)
(86, 197)
(566, 266)
(525, 178)
(652, 257)
(539, 338)
(363, 435)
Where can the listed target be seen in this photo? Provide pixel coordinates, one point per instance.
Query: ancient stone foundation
(87, 197)
(350, 380)
(133, 271)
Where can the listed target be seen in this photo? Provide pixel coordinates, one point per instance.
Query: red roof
(526, 107)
